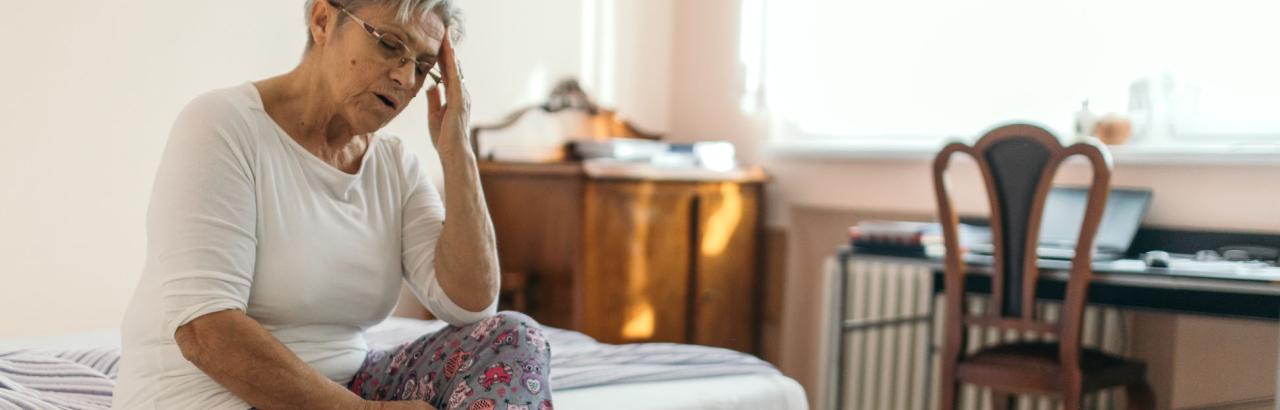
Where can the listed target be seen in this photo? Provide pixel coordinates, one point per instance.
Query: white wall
(90, 89)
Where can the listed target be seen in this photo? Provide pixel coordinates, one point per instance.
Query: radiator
(892, 337)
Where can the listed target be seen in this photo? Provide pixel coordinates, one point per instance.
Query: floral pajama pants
(500, 363)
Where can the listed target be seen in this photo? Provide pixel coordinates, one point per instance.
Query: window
(920, 71)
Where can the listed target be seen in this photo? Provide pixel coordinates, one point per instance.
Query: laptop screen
(1064, 212)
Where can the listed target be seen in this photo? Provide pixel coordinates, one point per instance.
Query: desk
(1182, 294)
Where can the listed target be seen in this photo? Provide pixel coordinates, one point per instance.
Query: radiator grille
(891, 336)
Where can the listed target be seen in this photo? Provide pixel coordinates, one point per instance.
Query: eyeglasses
(394, 50)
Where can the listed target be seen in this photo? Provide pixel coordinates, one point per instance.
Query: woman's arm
(466, 259)
(239, 354)
(467, 254)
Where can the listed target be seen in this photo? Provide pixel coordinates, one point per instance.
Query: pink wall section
(706, 87)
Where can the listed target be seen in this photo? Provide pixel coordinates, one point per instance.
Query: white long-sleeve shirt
(243, 217)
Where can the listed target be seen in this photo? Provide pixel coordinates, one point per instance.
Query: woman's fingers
(435, 107)
(454, 89)
(435, 113)
(448, 102)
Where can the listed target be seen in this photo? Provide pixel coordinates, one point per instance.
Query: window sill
(1186, 154)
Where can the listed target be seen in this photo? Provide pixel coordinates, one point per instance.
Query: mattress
(773, 391)
(585, 374)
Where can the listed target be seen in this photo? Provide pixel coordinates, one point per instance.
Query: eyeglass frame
(432, 72)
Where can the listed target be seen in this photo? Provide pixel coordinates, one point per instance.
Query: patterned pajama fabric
(500, 363)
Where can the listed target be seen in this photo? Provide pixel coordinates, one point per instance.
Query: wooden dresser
(631, 259)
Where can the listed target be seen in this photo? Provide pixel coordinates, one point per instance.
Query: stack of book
(900, 238)
(623, 149)
(914, 239)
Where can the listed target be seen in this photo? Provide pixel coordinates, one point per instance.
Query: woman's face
(365, 76)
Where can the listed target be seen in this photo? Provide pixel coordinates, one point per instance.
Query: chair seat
(1033, 367)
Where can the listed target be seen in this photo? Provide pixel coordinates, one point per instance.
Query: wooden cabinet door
(636, 281)
(537, 218)
(631, 260)
(724, 300)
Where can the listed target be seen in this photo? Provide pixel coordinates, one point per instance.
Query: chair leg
(1072, 399)
(949, 399)
(1140, 397)
(1002, 400)
(1071, 402)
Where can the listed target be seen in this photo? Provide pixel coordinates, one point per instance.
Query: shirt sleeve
(201, 223)
(423, 222)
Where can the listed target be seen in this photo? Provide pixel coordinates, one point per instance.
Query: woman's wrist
(454, 145)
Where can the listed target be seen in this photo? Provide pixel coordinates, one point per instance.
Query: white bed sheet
(102, 338)
(746, 392)
(749, 392)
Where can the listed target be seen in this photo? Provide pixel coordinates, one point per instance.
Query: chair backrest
(1018, 163)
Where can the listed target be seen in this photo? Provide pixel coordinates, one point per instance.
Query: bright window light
(1185, 72)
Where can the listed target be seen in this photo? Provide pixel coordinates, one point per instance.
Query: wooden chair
(1018, 163)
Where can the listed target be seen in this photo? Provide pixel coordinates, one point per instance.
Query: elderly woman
(281, 226)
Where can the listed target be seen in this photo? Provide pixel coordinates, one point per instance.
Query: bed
(77, 372)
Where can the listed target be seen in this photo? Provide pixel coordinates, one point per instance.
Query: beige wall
(91, 87)
(707, 85)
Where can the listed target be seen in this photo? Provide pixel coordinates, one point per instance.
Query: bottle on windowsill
(1086, 120)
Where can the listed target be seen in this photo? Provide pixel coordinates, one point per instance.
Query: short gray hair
(405, 9)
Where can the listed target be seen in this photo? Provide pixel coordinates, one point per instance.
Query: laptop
(1064, 212)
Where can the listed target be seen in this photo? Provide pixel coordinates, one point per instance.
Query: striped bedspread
(61, 380)
(83, 378)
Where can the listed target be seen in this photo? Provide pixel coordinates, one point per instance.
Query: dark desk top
(1130, 284)
(1203, 273)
